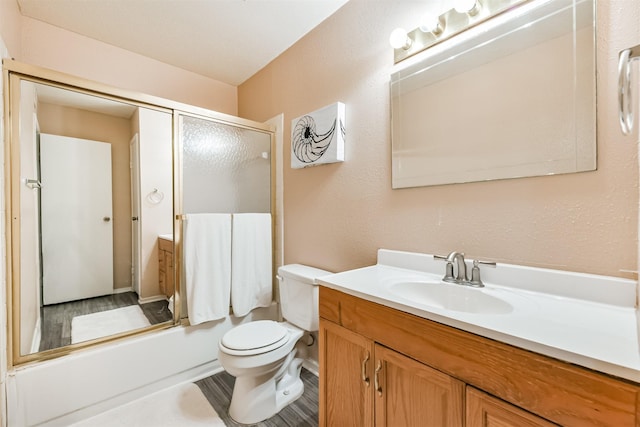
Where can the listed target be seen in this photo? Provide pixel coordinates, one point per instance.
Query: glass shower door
(225, 169)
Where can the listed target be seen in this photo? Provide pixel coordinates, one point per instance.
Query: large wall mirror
(99, 183)
(513, 97)
(91, 202)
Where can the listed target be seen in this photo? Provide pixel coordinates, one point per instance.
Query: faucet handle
(475, 272)
(488, 263)
(448, 258)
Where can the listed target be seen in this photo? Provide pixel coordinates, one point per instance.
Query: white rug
(104, 323)
(179, 406)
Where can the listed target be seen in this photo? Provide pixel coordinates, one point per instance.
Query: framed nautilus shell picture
(318, 138)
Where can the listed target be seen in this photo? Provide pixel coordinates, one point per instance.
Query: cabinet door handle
(365, 378)
(376, 379)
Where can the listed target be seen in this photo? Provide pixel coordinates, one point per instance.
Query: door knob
(106, 218)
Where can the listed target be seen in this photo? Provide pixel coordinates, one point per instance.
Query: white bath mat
(179, 406)
(104, 323)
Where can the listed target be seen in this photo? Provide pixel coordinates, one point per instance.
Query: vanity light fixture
(470, 7)
(399, 39)
(463, 15)
(432, 24)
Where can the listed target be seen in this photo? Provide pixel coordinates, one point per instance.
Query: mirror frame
(14, 71)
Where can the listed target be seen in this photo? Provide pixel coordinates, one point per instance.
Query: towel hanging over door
(207, 263)
(251, 262)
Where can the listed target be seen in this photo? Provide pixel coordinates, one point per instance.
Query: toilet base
(257, 398)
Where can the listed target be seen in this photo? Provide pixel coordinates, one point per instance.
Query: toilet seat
(254, 338)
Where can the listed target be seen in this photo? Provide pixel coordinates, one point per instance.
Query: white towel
(207, 263)
(251, 265)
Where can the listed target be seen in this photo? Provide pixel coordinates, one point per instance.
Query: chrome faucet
(456, 260)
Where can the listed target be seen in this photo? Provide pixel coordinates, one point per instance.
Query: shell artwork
(317, 138)
(307, 145)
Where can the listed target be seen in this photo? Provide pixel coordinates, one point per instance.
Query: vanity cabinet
(380, 366)
(346, 361)
(165, 264)
(409, 393)
(367, 384)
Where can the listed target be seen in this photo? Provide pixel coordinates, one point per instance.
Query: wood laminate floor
(56, 318)
(301, 413)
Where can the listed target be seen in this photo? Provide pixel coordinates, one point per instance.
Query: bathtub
(71, 388)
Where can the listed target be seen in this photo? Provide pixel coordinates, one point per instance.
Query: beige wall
(155, 130)
(337, 216)
(52, 47)
(37, 43)
(65, 121)
(10, 25)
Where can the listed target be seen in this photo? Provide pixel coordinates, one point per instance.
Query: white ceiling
(226, 40)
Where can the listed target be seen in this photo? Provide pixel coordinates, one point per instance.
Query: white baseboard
(311, 366)
(122, 290)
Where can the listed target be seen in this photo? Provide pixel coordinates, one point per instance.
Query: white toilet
(265, 356)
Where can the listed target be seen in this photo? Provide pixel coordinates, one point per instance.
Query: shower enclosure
(166, 160)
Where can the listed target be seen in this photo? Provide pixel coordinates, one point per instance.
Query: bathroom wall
(52, 47)
(338, 215)
(156, 163)
(10, 27)
(6, 30)
(66, 121)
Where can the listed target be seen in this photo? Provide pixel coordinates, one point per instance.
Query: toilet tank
(299, 294)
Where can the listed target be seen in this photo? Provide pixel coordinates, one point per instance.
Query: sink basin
(451, 297)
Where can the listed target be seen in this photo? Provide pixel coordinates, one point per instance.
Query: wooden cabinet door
(484, 410)
(346, 361)
(408, 393)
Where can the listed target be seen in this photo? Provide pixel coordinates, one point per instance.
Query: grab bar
(625, 100)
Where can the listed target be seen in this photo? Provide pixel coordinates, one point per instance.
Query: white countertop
(583, 319)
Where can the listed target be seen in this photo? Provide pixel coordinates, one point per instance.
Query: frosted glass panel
(226, 169)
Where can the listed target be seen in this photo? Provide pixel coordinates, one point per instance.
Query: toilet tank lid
(303, 273)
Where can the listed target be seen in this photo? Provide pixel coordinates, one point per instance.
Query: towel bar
(625, 102)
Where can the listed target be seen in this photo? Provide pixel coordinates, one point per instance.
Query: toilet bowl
(266, 356)
(264, 382)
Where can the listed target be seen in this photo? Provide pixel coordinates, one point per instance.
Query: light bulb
(431, 24)
(399, 39)
(470, 7)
